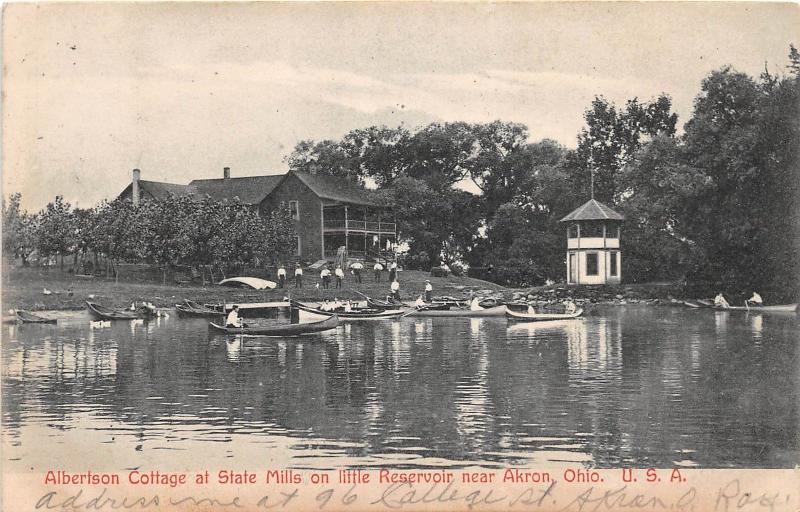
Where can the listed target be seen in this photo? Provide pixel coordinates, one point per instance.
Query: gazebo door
(573, 268)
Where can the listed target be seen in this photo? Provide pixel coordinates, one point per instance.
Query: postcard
(412, 256)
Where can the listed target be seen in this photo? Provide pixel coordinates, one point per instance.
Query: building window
(592, 230)
(591, 264)
(294, 210)
(298, 247)
(573, 231)
(613, 269)
(612, 232)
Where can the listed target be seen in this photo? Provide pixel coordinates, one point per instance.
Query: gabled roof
(335, 188)
(593, 210)
(159, 189)
(249, 189)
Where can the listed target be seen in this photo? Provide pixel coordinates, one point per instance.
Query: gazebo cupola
(593, 255)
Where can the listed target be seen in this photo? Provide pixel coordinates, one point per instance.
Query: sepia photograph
(417, 255)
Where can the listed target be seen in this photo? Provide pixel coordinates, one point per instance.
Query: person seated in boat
(755, 300)
(233, 319)
(428, 291)
(348, 308)
(475, 304)
(395, 290)
(419, 302)
(720, 301)
(570, 307)
(531, 310)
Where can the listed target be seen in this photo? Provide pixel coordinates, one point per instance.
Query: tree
(117, 233)
(161, 223)
(612, 136)
(55, 230)
(19, 229)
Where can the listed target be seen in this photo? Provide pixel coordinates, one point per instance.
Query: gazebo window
(591, 264)
(612, 231)
(592, 230)
(572, 232)
(613, 264)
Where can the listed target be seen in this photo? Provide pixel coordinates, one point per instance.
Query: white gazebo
(593, 255)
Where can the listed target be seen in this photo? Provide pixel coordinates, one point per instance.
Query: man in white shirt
(395, 290)
(755, 300)
(378, 268)
(298, 276)
(428, 291)
(281, 276)
(720, 301)
(357, 267)
(233, 319)
(325, 275)
(339, 276)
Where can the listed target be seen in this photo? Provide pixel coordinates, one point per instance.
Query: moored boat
(460, 312)
(364, 314)
(193, 309)
(279, 330)
(25, 317)
(542, 317)
(105, 313)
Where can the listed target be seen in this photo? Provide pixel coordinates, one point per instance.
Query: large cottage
(329, 212)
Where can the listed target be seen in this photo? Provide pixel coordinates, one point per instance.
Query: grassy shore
(23, 289)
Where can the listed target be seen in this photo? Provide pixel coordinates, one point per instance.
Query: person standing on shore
(325, 275)
(357, 267)
(281, 276)
(298, 276)
(378, 268)
(393, 272)
(339, 276)
(428, 291)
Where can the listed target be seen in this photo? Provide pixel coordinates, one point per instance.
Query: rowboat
(279, 330)
(542, 317)
(193, 309)
(364, 314)
(104, 313)
(460, 312)
(24, 317)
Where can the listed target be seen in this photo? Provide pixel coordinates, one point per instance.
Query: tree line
(176, 230)
(715, 204)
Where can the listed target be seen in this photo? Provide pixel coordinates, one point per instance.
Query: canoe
(778, 308)
(542, 317)
(28, 318)
(464, 313)
(381, 304)
(279, 330)
(250, 282)
(104, 313)
(351, 315)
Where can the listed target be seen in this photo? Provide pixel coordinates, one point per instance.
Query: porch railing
(359, 225)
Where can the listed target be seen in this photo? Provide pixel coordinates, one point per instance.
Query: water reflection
(632, 386)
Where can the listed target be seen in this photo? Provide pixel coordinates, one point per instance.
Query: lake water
(626, 386)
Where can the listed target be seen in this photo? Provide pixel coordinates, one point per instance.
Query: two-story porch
(364, 231)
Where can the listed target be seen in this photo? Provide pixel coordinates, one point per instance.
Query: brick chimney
(135, 193)
(226, 172)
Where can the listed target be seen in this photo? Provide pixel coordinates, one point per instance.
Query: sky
(92, 91)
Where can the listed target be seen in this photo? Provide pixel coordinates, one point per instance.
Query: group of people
(325, 275)
(755, 300)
